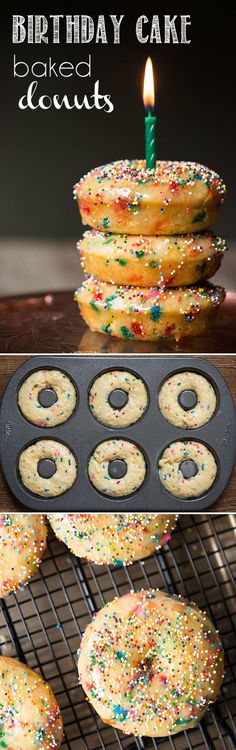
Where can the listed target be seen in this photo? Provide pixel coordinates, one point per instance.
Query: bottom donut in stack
(148, 313)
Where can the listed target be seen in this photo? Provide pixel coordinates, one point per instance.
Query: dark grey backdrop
(44, 153)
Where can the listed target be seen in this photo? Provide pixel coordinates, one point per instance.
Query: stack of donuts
(149, 252)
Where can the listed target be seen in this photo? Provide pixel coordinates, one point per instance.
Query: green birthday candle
(150, 119)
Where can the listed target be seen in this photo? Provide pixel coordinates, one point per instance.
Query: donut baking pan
(42, 625)
(82, 433)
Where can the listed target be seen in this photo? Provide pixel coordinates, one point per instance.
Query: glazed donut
(62, 468)
(149, 314)
(204, 404)
(151, 663)
(22, 544)
(125, 197)
(104, 465)
(29, 714)
(201, 461)
(113, 538)
(124, 387)
(63, 398)
(151, 261)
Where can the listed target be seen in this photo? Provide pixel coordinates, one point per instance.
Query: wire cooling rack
(42, 625)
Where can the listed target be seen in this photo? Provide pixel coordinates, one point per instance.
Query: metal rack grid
(42, 625)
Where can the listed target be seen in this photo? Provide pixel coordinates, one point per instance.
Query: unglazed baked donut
(149, 314)
(29, 714)
(151, 663)
(172, 477)
(22, 543)
(122, 381)
(113, 538)
(60, 410)
(151, 261)
(64, 462)
(171, 408)
(101, 463)
(125, 197)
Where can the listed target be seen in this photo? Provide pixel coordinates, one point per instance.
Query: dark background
(43, 153)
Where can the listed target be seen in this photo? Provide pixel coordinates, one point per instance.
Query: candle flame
(148, 86)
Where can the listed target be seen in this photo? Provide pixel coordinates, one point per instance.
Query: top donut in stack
(149, 226)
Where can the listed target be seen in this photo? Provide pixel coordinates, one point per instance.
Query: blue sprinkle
(155, 312)
(120, 713)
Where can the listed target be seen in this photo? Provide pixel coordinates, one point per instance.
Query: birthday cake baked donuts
(139, 260)
(149, 314)
(22, 544)
(118, 398)
(117, 468)
(187, 468)
(29, 714)
(147, 235)
(113, 538)
(47, 398)
(176, 197)
(187, 400)
(47, 467)
(151, 664)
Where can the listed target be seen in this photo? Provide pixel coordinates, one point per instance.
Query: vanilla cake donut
(150, 663)
(125, 197)
(117, 468)
(187, 400)
(151, 261)
(47, 397)
(118, 398)
(113, 538)
(149, 314)
(187, 468)
(22, 544)
(47, 467)
(29, 714)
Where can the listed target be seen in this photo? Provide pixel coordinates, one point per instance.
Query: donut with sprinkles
(148, 313)
(124, 197)
(133, 394)
(22, 544)
(113, 538)
(139, 260)
(150, 663)
(171, 468)
(62, 461)
(29, 714)
(63, 401)
(203, 407)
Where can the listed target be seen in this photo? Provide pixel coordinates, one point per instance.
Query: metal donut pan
(82, 433)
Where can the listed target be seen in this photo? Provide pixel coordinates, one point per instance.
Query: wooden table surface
(226, 365)
(51, 323)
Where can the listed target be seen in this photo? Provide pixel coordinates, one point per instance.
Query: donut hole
(188, 399)
(117, 468)
(46, 468)
(188, 468)
(118, 398)
(47, 397)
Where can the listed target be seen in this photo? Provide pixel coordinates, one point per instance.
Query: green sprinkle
(199, 217)
(93, 305)
(126, 333)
